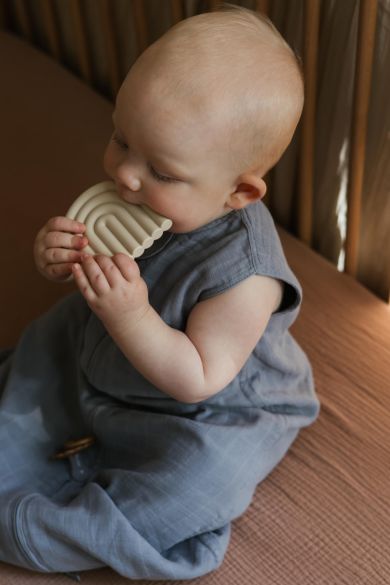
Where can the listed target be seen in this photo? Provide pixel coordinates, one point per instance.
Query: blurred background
(332, 187)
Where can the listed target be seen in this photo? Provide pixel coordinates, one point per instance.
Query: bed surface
(323, 516)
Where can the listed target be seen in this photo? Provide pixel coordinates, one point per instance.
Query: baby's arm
(190, 366)
(57, 246)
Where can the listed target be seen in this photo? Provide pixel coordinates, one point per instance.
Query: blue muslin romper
(154, 497)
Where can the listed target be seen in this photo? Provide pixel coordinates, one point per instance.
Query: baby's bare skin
(186, 155)
(58, 245)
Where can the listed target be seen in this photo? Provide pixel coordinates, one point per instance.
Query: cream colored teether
(113, 225)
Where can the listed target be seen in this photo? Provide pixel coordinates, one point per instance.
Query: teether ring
(113, 225)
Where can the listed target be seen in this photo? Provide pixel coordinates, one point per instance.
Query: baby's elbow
(194, 398)
(208, 386)
(198, 396)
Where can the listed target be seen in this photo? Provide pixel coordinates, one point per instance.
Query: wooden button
(74, 446)
(83, 443)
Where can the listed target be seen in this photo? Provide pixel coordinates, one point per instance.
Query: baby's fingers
(59, 271)
(65, 224)
(64, 240)
(60, 256)
(83, 283)
(96, 276)
(127, 266)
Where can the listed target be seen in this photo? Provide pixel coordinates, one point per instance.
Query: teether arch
(113, 225)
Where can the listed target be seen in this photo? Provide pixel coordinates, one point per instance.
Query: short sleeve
(250, 245)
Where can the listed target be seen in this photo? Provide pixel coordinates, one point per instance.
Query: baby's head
(203, 114)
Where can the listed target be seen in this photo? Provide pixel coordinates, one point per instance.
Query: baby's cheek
(173, 208)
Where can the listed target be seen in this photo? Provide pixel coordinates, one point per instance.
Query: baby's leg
(39, 399)
(167, 518)
(38, 410)
(91, 532)
(166, 489)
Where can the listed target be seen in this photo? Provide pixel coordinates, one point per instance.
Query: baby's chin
(182, 228)
(187, 225)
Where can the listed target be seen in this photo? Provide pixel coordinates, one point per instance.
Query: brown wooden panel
(51, 27)
(108, 27)
(214, 5)
(22, 18)
(80, 38)
(306, 159)
(140, 25)
(176, 11)
(362, 88)
(3, 15)
(263, 6)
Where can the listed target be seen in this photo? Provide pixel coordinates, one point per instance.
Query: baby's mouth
(127, 195)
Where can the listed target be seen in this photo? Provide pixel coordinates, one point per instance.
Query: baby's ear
(250, 188)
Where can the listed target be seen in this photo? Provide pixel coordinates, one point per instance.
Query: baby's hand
(57, 246)
(114, 289)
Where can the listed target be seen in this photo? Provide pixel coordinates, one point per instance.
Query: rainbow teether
(113, 225)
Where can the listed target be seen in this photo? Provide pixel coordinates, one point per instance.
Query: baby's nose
(129, 179)
(133, 184)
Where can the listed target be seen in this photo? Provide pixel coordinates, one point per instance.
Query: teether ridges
(113, 225)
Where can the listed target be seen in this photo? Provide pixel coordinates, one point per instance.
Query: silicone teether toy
(113, 225)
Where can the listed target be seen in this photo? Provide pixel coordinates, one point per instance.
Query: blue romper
(154, 497)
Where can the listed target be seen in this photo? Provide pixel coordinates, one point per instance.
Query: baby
(179, 364)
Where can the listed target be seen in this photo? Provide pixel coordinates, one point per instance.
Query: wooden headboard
(47, 22)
